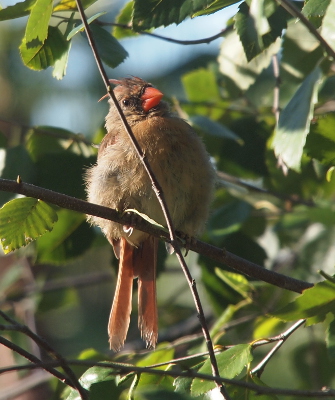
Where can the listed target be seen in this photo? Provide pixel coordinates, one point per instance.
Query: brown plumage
(118, 180)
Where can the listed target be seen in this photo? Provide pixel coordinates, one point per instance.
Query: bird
(118, 180)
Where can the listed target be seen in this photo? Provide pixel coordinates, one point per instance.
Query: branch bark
(221, 256)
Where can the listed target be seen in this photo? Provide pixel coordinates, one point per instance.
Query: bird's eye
(126, 102)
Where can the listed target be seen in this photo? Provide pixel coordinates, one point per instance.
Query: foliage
(264, 108)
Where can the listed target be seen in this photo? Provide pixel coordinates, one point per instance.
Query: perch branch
(221, 256)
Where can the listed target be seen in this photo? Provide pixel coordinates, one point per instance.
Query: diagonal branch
(160, 196)
(221, 256)
(259, 369)
(42, 343)
(295, 12)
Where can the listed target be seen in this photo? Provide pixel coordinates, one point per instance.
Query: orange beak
(150, 98)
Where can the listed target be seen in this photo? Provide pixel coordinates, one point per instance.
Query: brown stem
(42, 343)
(171, 40)
(220, 255)
(160, 196)
(120, 369)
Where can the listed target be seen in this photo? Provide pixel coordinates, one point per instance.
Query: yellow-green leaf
(24, 220)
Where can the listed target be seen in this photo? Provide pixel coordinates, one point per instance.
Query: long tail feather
(146, 261)
(120, 314)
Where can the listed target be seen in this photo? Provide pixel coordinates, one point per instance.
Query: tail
(134, 262)
(147, 304)
(120, 314)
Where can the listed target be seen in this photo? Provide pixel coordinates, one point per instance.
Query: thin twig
(38, 363)
(42, 343)
(219, 255)
(120, 369)
(167, 39)
(295, 12)
(160, 196)
(259, 369)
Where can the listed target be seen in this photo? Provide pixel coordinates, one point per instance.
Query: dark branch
(120, 368)
(43, 344)
(167, 39)
(220, 255)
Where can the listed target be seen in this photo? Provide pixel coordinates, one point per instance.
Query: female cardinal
(118, 180)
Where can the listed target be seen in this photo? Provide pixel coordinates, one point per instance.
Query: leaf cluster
(264, 108)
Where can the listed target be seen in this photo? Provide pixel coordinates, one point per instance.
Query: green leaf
(18, 10)
(230, 362)
(237, 282)
(249, 24)
(100, 383)
(61, 64)
(294, 121)
(15, 161)
(246, 29)
(24, 220)
(109, 49)
(124, 18)
(38, 21)
(214, 128)
(317, 301)
(70, 238)
(71, 5)
(161, 354)
(43, 56)
(155, 13)
(228, 218)
(330, 340)
(201, 86)
(315, 8)
(257, 12)
(80, 27)
(234, 64)
(327, 27)
(215, 6)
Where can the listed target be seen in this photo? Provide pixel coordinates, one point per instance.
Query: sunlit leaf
(294, 121)
(100, 383)
(216, 6)
(317, 301)
(165, 12)
(18, 10)
(201, 86)
(124, 18)
(234, 64)
(80, 27)
(71, 5)
(327, 27)
(315, 8)
(161, 354)
(230, 362)
(44, 55)
(38, 21)
(24, 220)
